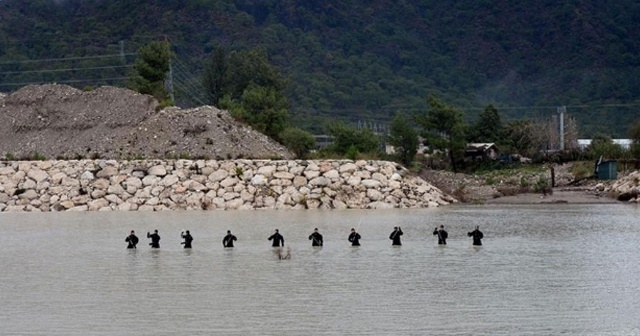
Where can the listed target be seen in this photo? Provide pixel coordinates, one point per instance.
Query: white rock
(37, 175)
(218, 175)
(348, 168)
(370, 183)
(319, 181)
(267, 170)
(107, 171)
(150, 180)
(158, 170)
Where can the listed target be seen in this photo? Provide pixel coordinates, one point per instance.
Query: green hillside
(360, 61)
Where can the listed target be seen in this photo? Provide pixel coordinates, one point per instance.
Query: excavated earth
(60, 122)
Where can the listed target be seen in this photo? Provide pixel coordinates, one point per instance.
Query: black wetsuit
(316, 239)
(187, 240)
(477, 237)
(354, 238)
(155, 240)
(228, 240)
(395, 236)
(442, 236)
(278, 239)
(132, 240)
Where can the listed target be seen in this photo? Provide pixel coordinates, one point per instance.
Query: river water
(555, 270)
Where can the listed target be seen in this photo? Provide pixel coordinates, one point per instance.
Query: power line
(66, 81)
(67, 58)
(63, 70)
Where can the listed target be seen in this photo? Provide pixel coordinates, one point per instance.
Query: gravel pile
(58, 121)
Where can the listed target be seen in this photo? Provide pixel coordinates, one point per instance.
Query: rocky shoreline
(157, 185)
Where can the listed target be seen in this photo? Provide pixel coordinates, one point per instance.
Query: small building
(479, 151)
(607, 170)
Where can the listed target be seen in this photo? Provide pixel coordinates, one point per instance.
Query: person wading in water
(395, 236)
(316, 238)
(228, 240)
(442, 235)
(187, 239)
(354, 238)
(278, 239)
(155, 239)
(132, 239)
(477, 236)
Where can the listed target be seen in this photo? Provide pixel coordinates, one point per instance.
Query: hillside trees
(444, 129)
(245, 83)
(151, 68)
(350, 142)
(489, 127)
(404, 138)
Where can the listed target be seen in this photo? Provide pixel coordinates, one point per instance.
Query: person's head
(133, 232)
(228, 231)
(353, 230)
(277, 231)
(187, 231)
(395, 227)
(155, 231)
(315, 230)
(442, 227)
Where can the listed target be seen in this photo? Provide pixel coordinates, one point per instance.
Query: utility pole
(561, 110)
(124, 60)
(170, 83)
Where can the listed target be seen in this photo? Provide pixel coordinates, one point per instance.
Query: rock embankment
(626, 188)
(155, 185)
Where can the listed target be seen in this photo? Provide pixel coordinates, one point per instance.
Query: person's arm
(270, 237)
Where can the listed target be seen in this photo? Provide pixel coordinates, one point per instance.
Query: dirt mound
(58, 121)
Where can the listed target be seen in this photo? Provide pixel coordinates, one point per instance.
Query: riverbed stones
(154, 185)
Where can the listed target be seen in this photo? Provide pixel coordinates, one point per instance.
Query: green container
(608, 170)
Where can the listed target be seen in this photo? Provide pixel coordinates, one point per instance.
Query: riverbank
(157, 185)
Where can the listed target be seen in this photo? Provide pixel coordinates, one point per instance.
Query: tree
(261, 107)
(602, 145)
(151, 68)
(298, 141)
(250, 88)
(348, 139)
(443, 128)
(230, 74)
(404, 138)
(214, 76)
(488, 128)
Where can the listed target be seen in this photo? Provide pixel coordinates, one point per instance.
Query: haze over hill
(359, 60)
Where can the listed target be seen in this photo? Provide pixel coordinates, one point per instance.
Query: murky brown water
(570, 270)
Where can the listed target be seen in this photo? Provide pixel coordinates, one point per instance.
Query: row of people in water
(316, 238)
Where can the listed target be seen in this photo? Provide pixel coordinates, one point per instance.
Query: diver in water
(132, 239)
(187, 239)
(278, 239)
(316, 238)
(477, 236)
(155, 239)
(228, 240)
(442, 235)
(395, 236)
(354, 238)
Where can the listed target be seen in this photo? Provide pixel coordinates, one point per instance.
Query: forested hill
(358, 59)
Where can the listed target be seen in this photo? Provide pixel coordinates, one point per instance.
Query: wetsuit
(477, 237)
(278, 240)
(227, 241)
(155, 240)
(395, 236)
(187, 240)
(354, 238)
(316, 239)
(442, 236)
(132, 240)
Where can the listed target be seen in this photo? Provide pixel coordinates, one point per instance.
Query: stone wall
(154, 185)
